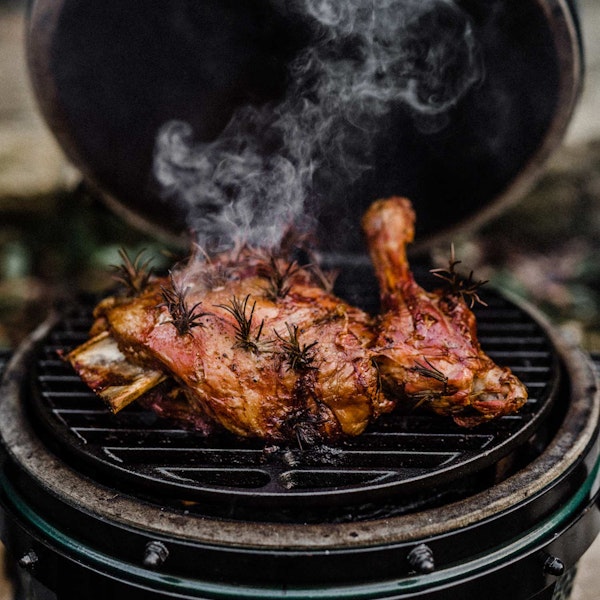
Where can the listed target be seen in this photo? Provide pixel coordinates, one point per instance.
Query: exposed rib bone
(103, 367)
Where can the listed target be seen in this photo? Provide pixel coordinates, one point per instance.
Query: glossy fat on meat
(310, 366)
(256, 391)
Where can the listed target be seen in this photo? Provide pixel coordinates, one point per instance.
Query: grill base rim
(54, 477)
(515, 568)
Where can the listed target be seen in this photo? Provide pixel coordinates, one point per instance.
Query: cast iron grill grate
(400, 455)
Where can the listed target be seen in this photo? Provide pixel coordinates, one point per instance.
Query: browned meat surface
(427, 348)
(269, 353)
(260, 347)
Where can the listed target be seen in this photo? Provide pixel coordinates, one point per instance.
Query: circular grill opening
(406, 460)
(487, 528)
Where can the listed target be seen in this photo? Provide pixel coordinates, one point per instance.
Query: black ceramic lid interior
(109, 75)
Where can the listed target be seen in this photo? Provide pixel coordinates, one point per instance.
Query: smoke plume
(367, 57)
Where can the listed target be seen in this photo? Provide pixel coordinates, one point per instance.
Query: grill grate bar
(127, 437)
(532, 369)
(69, 337)
(508, 327)
(70, 394)
(505, 356)
(506, 340)
(152, 456)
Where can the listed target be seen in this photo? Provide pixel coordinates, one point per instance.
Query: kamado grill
(416, 507)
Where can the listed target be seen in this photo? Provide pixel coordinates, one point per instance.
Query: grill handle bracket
(155, 554)
(421, 559)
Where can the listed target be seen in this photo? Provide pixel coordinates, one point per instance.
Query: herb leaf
(457, 285)
(244, 323)
(134, 274)
(298, 357)
(183, 317)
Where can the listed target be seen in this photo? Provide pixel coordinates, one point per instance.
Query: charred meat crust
(257, 345)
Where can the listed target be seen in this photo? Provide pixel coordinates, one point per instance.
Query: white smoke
(368, 57)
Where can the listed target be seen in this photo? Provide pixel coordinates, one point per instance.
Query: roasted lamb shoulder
(426, 345)
(256, 344)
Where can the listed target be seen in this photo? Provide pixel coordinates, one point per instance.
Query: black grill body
(91, 505)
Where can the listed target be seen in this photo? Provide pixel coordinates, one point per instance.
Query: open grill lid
(109, 76)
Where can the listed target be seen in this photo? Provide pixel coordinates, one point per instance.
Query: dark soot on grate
(403, 462)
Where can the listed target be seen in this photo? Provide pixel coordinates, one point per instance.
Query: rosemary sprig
(244, 335)
(326, 279)
(134, 274)
(216, 276)
(299, 357)
(431, 372)
(379, 379)
(428, 370)
(457, 285)
(183, 317)
(423, 397)
(278, 278)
